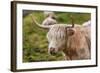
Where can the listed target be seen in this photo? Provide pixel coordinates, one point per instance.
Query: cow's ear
(70, 31)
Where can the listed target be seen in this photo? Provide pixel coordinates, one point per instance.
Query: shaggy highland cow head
(57, 37)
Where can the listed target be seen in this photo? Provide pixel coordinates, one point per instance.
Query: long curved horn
(72, 21)
(42, 26)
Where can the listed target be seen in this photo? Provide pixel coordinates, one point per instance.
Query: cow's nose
(52, 51)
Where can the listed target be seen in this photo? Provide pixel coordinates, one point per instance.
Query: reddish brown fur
(76, 45)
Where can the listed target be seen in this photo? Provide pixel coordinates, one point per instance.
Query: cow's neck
(70, 54)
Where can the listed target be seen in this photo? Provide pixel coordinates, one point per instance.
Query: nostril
(52, 49)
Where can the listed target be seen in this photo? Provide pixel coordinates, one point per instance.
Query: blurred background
(35, 44)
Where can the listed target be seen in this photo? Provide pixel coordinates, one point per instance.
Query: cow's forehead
(60, 26)
(57, 32)
(64, 25)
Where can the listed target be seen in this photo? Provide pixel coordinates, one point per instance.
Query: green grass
(35, 44)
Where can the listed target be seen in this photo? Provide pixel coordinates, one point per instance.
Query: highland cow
(75, 42)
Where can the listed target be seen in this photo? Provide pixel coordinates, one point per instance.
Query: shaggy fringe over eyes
(57, 32)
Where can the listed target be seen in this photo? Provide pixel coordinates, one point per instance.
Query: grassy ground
(35, 44)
